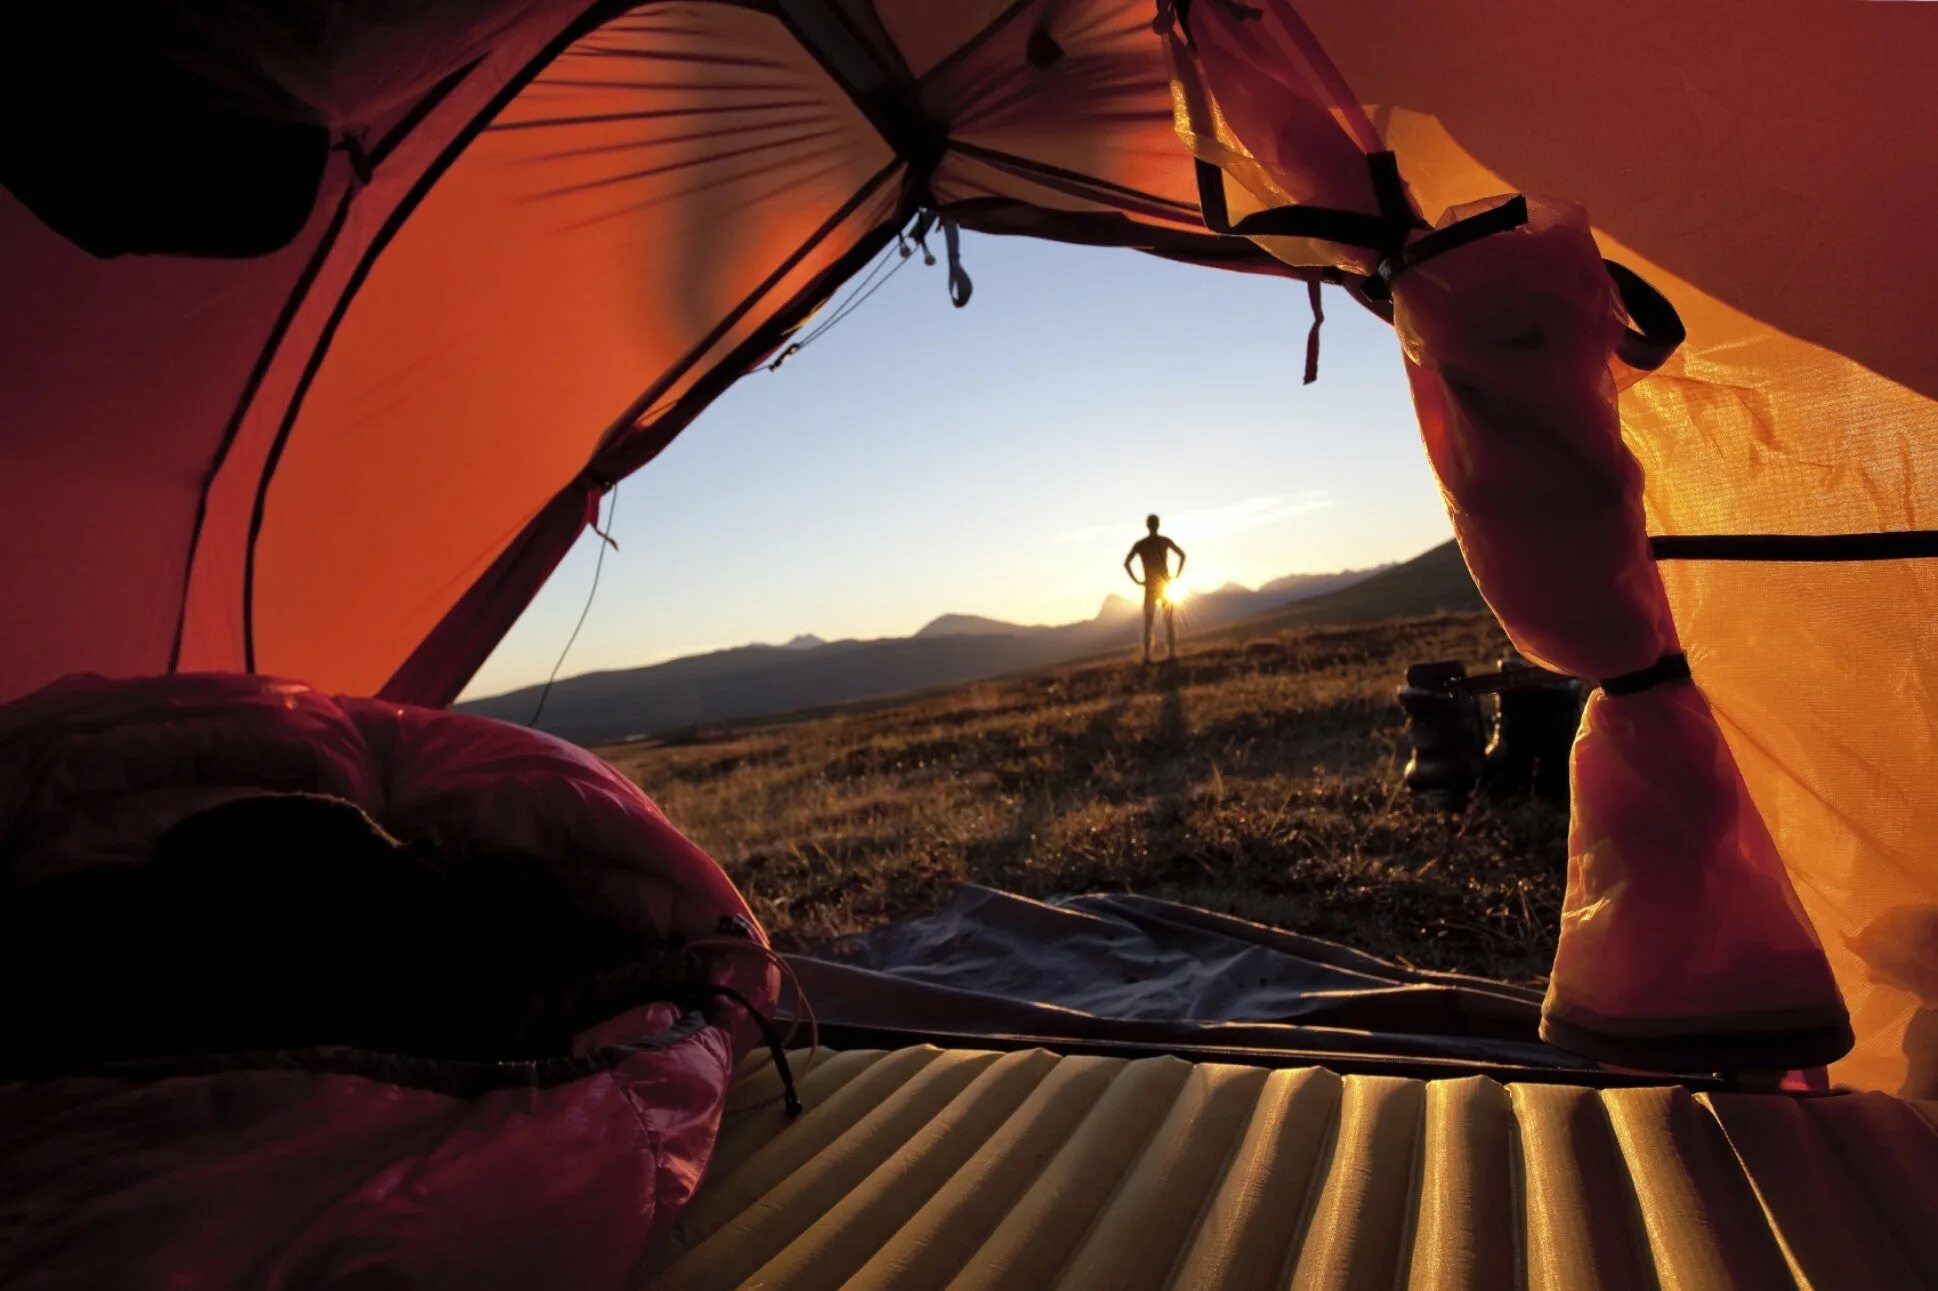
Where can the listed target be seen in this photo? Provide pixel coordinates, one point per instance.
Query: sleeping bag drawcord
(775, 1048)
(739, 935)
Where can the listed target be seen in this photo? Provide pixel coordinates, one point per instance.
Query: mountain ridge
(753, 681)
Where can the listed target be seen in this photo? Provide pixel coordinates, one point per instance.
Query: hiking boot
(1447, 734)
(1534, 730)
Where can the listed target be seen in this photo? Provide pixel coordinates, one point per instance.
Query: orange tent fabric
(1749, 430)
(525, 277)
(548, 233)
(1514, 334)
(1509, 342)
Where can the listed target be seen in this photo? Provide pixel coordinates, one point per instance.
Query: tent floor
(925, 1167)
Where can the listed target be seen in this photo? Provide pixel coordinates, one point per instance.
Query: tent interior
(432, 277)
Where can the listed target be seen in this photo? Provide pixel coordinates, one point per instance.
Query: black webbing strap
(1666, 671)
(1525, 677)
(1324, 223)
(1657, 329)
(1395, 207)
(1902, 544)
(1511, 214)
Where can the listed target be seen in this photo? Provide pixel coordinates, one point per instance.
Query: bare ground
(1260, 777)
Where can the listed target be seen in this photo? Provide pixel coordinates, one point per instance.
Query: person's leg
(1150, 615)
(1171, 630)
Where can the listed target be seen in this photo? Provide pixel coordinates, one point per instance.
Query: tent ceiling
(610, 215)
(549, 235)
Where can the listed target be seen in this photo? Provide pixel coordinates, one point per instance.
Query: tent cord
(606, 540)
(867, 286)
(857, 303)
(869, 283)
(848, 306)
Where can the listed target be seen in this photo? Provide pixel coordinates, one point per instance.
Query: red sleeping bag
(313, 992)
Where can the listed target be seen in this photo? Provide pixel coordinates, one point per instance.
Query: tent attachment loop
(1669, 670)
(960, 287)
(1312, 334)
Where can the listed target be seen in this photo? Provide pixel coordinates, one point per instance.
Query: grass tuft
(1258, 777)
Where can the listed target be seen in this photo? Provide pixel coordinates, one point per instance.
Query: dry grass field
(1258, 776)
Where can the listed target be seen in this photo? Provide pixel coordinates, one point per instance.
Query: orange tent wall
(357, 458)
(550, 262)
(1763, 167)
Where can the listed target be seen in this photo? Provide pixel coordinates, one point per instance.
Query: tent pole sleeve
(457, 647)
(446, 659)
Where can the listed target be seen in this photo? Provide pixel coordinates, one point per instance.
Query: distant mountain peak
(756, 682)
(968, 625)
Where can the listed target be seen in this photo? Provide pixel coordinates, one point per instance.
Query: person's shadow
(1171, 783)
(1174, 724)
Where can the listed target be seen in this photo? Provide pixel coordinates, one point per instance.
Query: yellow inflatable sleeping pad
(930, 1168)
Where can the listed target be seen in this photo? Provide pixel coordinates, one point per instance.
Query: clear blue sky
(999, 460)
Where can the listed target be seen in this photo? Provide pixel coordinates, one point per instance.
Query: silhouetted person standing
(1153, 551)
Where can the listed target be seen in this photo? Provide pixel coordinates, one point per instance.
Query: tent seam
(997, 157)
(949, 60)
(257, 375)
(589, 20)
